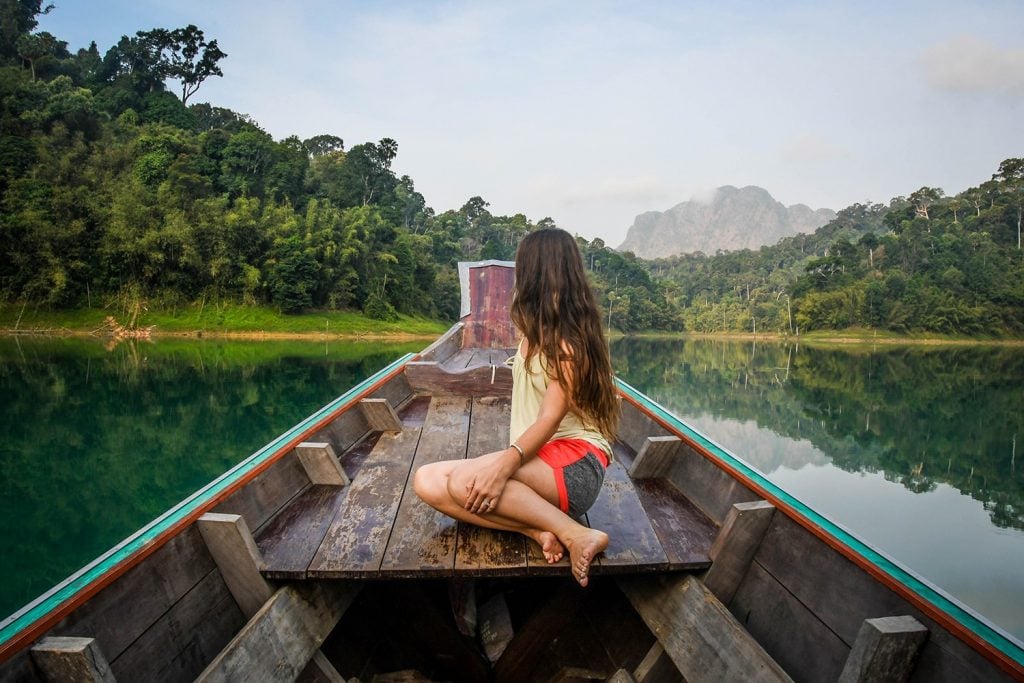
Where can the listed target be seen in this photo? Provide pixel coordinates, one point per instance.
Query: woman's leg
(528, 505)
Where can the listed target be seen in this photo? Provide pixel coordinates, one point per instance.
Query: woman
(564, 416)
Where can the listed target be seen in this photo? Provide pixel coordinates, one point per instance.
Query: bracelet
(522, 453)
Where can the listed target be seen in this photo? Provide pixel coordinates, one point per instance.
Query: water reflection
(911, 448)
(921, 416)
(94, 444)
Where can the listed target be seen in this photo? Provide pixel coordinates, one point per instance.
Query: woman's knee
(428, 483)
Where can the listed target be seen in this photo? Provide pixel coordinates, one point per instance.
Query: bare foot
(550, 546)
(582, 551)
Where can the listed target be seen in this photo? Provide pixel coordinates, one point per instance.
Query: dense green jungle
(919, 415)
(117, 192)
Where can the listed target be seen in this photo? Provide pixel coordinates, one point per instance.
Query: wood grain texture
(797, 639)
(264, 496)
(635, 426)
(423, 539)
(655, 457)
(122, 611)
(711, 488)
(357, 537)
(685, 533)
(71, 660)
(278, 642)
(885, 651)
(703, 639)
(186, 639)
(485, 380)
(320, 463)
(657, 667)
(735, 546)
(447, 344)
(633, 544)
(288, 543)
(238, 559)
(482, 551)
(842, 596)
(380, 415)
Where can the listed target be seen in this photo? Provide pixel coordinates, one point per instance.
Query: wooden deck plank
(633, 544)
(486, 551)
(459, 360)
(289, 542)
(357, 537)
(423, 539)
(685, 532)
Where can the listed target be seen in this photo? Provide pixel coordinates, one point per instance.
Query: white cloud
(812, 148)
(966, 63)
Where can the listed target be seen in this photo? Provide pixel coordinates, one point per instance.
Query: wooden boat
(313, 559)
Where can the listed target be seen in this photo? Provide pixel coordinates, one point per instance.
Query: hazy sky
(593, 112)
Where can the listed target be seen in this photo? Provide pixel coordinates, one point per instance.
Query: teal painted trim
(926, 591)
(144, 537)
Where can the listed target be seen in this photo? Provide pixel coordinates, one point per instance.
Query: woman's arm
(496, 468)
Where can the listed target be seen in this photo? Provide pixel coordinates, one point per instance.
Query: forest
(116, 185)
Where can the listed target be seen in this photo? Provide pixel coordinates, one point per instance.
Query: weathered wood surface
(321, 464)
(278, 641)
(822, 585)
(72, 660)
(635, 426)
(684, 531)
(735, 546)
(380, 415)
(479, 550)
(264, 496)
(633, 545)
(152, 587)
(703, 639)
(483, 380)
(885, 651)
(447, 344)
(288, 543)
(423, 538)
(186, 638)
(711, 488)
(357, 537)
(655, 457)
(490, 291)
(657, 667)
(233, 549)
(786, 629)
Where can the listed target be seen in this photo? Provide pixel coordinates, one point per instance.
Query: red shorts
(577, 477)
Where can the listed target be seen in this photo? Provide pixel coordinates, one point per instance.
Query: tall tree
(1011, 175)
(191, 60)
(17, 19)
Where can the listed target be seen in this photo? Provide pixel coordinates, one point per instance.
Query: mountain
(732, 219)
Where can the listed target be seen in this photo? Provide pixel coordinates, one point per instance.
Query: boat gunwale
(34, 619)
(997, 646)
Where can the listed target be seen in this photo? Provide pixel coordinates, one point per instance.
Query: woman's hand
(486, 477)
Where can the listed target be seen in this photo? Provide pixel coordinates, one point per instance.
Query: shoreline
(265, 335)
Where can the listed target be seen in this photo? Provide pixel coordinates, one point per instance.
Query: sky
(594, 112)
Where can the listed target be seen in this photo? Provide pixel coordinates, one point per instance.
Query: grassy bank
(222, 320)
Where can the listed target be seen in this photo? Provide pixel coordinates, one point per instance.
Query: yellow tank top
(528, 387)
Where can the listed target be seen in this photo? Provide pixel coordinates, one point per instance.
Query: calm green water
(912, 449)
(94, 443)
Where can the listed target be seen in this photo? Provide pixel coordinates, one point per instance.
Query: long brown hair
(555, 309)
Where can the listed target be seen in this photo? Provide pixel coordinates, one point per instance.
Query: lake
(913, 449)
